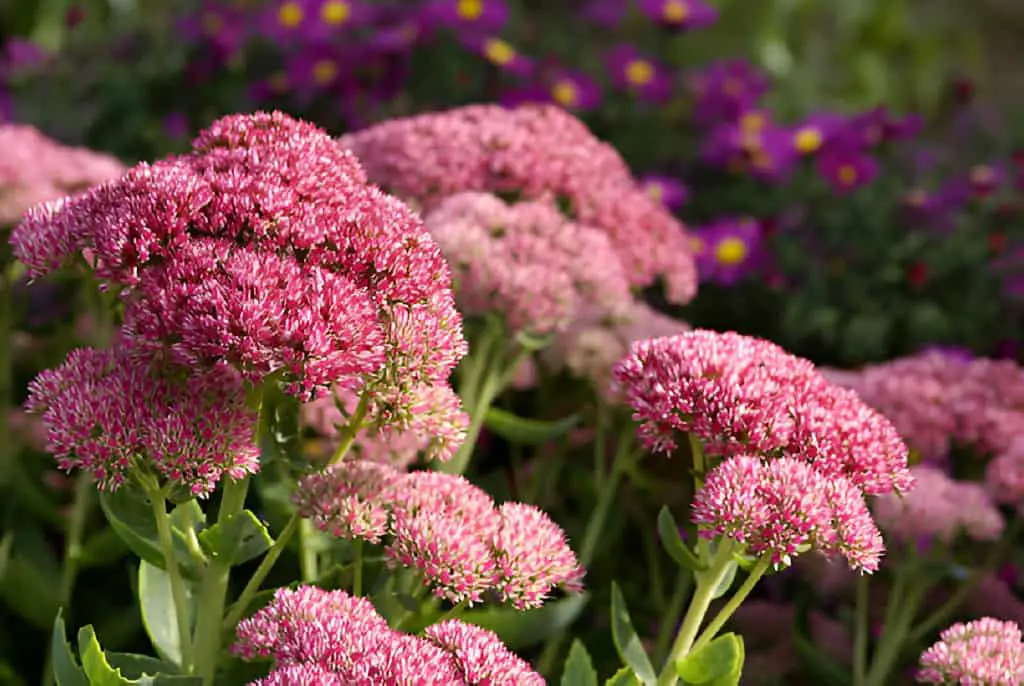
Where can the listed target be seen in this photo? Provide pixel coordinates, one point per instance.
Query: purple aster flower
(220, 26)
(846, 168)
(688, 14)
(606, 13)
(725, 90)
(573, 90)
(274, 86)
(20, 54)
(634, 72)
(176, 126)
(671, 192)
(730, 247)
(484, 16)
(318, 67)
(752, 145)
(500, 53)
(814, 133)
(986, 179)
(954, 353)
(302, 20)
(400, 36)
(878, 125)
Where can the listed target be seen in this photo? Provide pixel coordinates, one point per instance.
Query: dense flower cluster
(449, 530)
(36, 169)
(104, 409)
(939, 508)
(265, 248)
(533, 151)
(781, 507)
(331, 638)
(985, 652)
(739, 394)
(522, 260)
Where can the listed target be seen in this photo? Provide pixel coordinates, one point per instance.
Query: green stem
(671, 615)
(452, 613)
(309, 562)
(861, 620)
(726, 613)
(699, 466)
(708, 582)
(894, 636)
(610, 486)
(253, 586)
(214, 589)
(158, 500)
(8, 449)
(348, 434)
(357, 572)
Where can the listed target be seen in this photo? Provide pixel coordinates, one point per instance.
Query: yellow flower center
(564, 92)
(335, 12)
(212, 24)
(731, 251)
(639, 72)
(290, 15)
(847, 175)
(498, 51)
(324, 71)
(278, 83)
(675, 11)
(470, 9)
(752, 122)
(807, 140)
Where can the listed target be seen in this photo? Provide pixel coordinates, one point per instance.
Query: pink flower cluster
(985, 652)
(329, 638)
(536, 151)
(104, 409)
(35, 169)
(449, 530)
(425, 421)
(939, 508)
(523, 261)
(800, 453)
(266, 248)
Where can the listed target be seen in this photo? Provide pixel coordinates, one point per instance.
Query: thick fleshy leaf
(726, 583)
(719, 663)
(627, 642)
(123, 669)
(623, 677)
(66, 670)
(579, 668)
(94, 661)
(158, 614)
(519, 629)
(131, 516)
(668, 532)
(236, 540)
(525, 431)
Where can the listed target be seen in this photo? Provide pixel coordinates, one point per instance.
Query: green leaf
(31, 574)
(627, 643)
(726, 583)
(65, 667)
(519, 629)
(668, 532)
(131, 516)
(123, 669)
(533, 342)
(238, 539)
(579, 668)
(524, 431)
(623, 677)
(719, 663)
(94, 661)
(158, 614)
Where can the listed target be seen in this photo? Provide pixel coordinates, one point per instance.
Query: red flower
(917, 274)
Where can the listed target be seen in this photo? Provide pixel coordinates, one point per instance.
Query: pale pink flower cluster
(449, 530)
(35, 169)
(939, 508)
(800, 453)
(537, 152)
(431, 424)
(985, 652)
(527, 262)
(104, 409)
(329, 638)
(266, 248)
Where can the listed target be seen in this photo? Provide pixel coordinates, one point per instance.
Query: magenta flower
(344, 500)
(533, 556)
(879, 126)
(318, 67)
(634, 72)
(20, 55)
(606, 13)
(480, 16)
(985, 651)
(730, 247)
(725, 90)
(223, 26)
(753, 145)
(815, 132)
(302, 20)
(573, 90)
(688, 14)
(782, 507)
(846, 169)
(399, 36)
(669, 191)
(501, 54)
(104, 409)
(481, 656)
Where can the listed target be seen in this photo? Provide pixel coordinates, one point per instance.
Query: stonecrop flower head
(37, 169)
(103, 410)
(939, 508)
(985, 652)
(743, 395)
(329, 637)
(264, 248)
(522, 261)
(535, 152)
(447, 529)
(780, 508)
